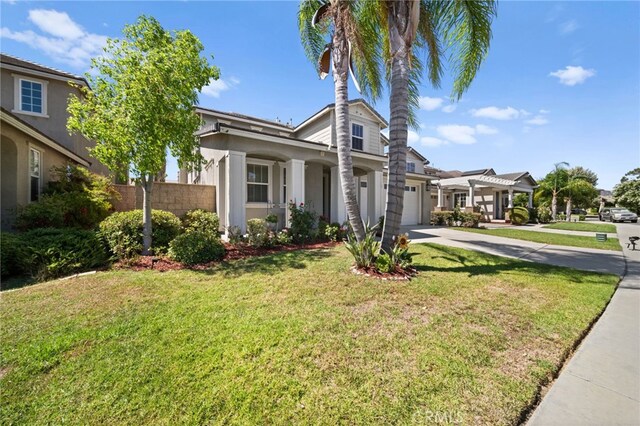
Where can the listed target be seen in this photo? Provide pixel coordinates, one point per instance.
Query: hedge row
(456, 218)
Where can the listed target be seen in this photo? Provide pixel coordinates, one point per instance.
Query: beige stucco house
(483, 190)
(33, 133)
(259, 165)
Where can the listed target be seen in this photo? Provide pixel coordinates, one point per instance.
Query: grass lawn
(293, 338)
(583, 226)
(549, 238)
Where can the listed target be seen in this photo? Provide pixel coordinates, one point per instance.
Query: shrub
(284, 237)
(533, 214)
(442, 218)
(234, 233)
(470, 220)
(384, 263)
(321, 233)
(519, 215)
(272, 218)
(123, 232)
(258, 235)
(200, 220)
(51, 252)
(76, 199)
(364, 252)
(196, 246)
(582, 218)
(13, 252)
(333, 232)
(456, 218)
(561, 217)
(544, 214)
(303, 222)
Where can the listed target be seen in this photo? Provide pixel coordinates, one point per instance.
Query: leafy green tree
(577, 189)
(414, 35)
(331, 33)
(627, 192)
(586, 174)
(141, 104)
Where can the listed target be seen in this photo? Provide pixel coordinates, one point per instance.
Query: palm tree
(578, 187)
(409, 30)
(553, 183)
(332, 34)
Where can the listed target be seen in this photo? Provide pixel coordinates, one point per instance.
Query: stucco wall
(177, 198)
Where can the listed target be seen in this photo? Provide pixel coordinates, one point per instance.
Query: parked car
(579, 211)
(618, 215)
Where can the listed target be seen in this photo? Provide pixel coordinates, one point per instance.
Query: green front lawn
(549, 238)
(583, 226)
(293, 338)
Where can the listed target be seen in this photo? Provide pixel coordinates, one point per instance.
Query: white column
(470, 196)
(338, 209)
(236, 190)
(440, 196)
(530, 204)
(295, 184)
(374, 193)
(510, 199)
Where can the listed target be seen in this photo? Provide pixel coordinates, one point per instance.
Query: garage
(411, 211)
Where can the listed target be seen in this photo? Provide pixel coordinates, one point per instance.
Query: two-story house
(258, 166)
(33, 132)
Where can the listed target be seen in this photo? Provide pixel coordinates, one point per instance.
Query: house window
(34, 174)
(31, 96)
(284, 186)
(357, 137)
(460, 199)
(411, 167)
(257, 183)
(363, 184)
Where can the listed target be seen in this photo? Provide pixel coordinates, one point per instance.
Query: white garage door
(410, 213)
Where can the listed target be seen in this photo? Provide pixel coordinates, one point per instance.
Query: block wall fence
(177, 198)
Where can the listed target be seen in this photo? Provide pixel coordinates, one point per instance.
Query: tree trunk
(568, 211)
(340, 56)
(147, 186)
(554, 206)
(398, 125)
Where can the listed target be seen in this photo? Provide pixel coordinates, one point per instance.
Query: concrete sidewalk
(540, 228)
(600, 385)
(606, 261)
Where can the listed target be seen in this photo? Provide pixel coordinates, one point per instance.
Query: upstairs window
(411, 167)
(357, 137)
(31, 96)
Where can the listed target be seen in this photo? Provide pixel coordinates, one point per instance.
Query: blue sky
(561, 82)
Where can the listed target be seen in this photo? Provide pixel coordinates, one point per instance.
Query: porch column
(374, 193)
(338, 210)
(440, 197)
(236, 190)
(470, 196)
(295, 184)
(530, 204)
(510, 199)
(426, 203)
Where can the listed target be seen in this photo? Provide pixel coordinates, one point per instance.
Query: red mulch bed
(398, 275)
(233, 252)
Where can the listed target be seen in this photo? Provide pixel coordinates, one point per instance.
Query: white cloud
(429, 104)
(63, 39)
(412, 137)
(449, 108)
(58, 24)
(496, 113)
(432, 142)
(568, 27)
(216, 87)
(457, 133)
(544, 111)
(538, 120)
(570, 76)
(482, 129)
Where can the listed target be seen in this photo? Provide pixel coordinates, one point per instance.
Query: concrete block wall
(178, 198)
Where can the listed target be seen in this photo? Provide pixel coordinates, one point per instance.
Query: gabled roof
(512, 176)
(33, 66)
(329, 107)
(246, 117)
(420, 156)
(478, 172)
(27, 128)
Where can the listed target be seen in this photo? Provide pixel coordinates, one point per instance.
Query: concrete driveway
(574, 257)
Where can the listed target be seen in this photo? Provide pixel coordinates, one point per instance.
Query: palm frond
(313, 37)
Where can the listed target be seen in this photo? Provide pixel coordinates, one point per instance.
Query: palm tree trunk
(147, 187)
(568, 211)
(398, 126)
(554, 206)
(340, 56)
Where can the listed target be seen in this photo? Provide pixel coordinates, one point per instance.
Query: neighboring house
(484, 190)
(33, 131)
(258, 166)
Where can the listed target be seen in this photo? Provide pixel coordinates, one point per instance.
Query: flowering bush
(195, 247)
(303, 223)
(284, 237)
(258, 234)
